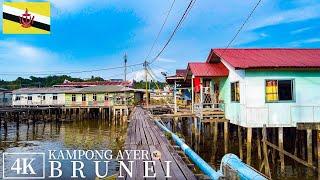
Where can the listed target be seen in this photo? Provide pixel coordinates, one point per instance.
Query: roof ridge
(266, 48)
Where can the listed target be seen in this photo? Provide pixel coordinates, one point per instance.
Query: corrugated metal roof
(99, 89)
(50, 90)
(202, 69)
(181, 72)
(268, 58)
(97, 83)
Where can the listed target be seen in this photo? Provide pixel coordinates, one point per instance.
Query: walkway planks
(143, 134)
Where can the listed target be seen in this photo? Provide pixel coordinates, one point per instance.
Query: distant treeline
(49, 81)
(152, 85)
(42, 81)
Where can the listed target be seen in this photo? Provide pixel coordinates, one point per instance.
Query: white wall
(37, 100)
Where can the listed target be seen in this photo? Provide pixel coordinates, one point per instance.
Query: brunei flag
(26, 18)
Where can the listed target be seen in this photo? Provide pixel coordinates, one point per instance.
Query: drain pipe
(203, 165)
(243, 170)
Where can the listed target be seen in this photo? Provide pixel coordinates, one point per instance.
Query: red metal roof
(181, 72)
(267, 58)
(97, 83)
(202, 69)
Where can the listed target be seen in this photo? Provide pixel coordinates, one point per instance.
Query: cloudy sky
(95, 34)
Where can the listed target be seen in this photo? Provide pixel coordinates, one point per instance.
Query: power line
(158, 35)
(185, 14)
(66, 72)
(241, 27)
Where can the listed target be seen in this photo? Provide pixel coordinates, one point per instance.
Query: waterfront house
(51, 96)
(181, 89)
(102, 96)
(5, 97)
(276, 87)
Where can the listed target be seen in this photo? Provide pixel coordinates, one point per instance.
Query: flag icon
(26, 18)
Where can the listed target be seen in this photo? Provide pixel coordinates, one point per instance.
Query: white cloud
(297, 31)
(292, 15)
(304, 42)
(69, 6)
(140, 75)
(166, 60)
(19, 52)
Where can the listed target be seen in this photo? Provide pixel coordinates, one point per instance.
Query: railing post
(192, 95)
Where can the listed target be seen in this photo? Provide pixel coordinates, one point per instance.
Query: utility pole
(125, 78)
(125, 67)
(146, 79)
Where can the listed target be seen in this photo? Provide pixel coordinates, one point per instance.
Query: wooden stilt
(309, 148)
(226, 136)
(259, 145)
(280, 136)
(249, 140)
(318, 151)
(265, 152)
(240, 142)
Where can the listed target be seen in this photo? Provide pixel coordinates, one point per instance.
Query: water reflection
(39, 136)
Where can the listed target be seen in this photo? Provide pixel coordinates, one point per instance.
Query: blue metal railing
(244, 171)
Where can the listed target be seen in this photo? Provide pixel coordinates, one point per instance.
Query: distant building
(52, 96)
(102, 96)
(97, 83)
(93, 96)
(5, 97)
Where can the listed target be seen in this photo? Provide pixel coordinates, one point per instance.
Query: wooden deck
(143, 134)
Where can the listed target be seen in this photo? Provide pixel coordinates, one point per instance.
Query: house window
(94, 97)
(29, 98)
(106, 97)
(235, 92)
(18, 98)
(55, 97)
(279, 90)
(73, 98)
(84, 98)
(43, 97)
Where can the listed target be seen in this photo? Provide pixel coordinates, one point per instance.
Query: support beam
(240, 142)
(226, 136)
(249, 141)
(280, 136)
(265, 152)
(318, 151)
(192, 95)
(309, 147)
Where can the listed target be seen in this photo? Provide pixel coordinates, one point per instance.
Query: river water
(97, 134)
(212, 149)
(85, 135)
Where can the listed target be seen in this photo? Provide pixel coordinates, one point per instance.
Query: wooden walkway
(143, 134)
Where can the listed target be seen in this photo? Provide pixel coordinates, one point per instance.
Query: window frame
(55, 97)
(234, 101)
(29, 98)
(94, 97)
(18, 98)
(84, 97)
(293, 92)
(73, 97)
